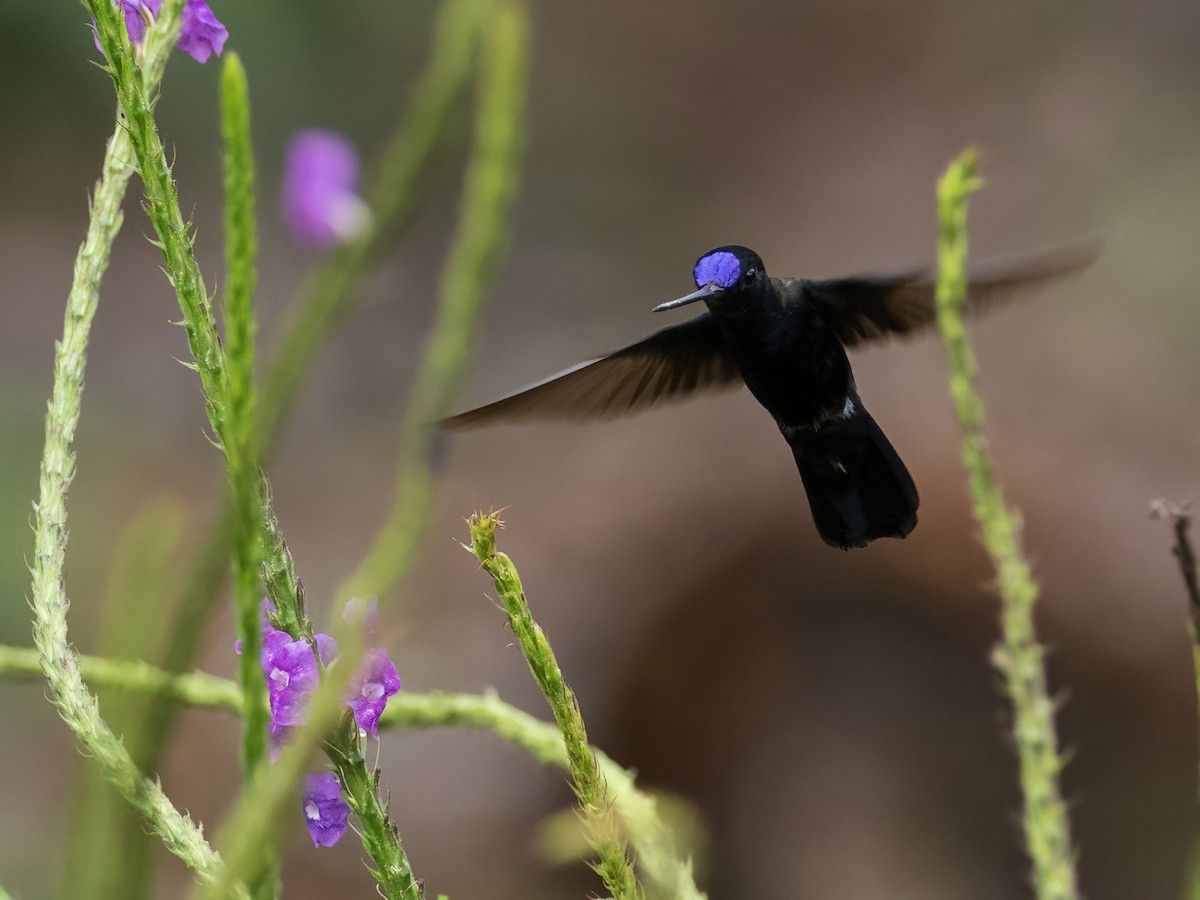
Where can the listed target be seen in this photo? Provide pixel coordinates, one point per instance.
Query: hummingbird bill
(785, 339)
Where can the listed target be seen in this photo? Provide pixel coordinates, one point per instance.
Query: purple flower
(369, 612)
(292, 676)
(200, 34)
(325, 812)
(375, 682)
(291, 671)
(321, 206)
(135, 19)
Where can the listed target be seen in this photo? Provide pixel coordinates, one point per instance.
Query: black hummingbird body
(797, 368)
(786, 340)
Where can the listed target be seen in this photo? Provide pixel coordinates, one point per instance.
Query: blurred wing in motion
(667, 366)
(869, 308)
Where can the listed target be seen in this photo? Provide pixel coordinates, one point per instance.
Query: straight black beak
(707, 291)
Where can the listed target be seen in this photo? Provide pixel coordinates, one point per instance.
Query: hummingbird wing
(668, 365)
(868, 308)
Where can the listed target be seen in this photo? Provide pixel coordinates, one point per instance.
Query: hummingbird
(785, 339)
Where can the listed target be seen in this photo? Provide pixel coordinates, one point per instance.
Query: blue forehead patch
(721, 268)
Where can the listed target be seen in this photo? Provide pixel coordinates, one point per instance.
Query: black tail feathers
(858, 488)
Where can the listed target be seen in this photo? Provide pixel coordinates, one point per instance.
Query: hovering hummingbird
(786, 340)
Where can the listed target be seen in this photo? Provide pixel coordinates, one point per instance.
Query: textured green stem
(241, 447)
(162, 206)
(661, 861)
(108, 842)
(59, 661)
(392, 197)
(1019, 657)
(255, 823)
(192, 689)
(470, 267)
(668, 874)
(601, 825)
(210, 362)
(380, 837)
(175, 241)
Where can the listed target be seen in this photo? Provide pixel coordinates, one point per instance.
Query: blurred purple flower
(200, 34)
(325, 813)
(321, 206)
(370, 614)
(375, 682)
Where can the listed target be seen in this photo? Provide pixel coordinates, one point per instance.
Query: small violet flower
(321, 205)
(375, 682)
(292, 676)
(325, 813)
(200, 34)
(291, 672)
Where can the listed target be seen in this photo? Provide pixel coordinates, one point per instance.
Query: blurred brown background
(832, 715)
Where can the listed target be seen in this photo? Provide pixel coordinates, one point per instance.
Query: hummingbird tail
(857, 486)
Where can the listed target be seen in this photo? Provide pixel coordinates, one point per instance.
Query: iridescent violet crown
(720, 268)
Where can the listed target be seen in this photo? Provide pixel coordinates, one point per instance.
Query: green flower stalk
(241, 448)
(1019, 657)
(601, 825)
(107, 838)
(328, 299)
(658, 856)
(667, 872)
(190, 689)
(256, 821)
(49, 602)
(162, 206)
(470, 267)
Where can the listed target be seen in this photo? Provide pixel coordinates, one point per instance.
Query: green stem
(393, 198)
(241, 445)
(108, 841)
(162, 206)
(1019, 657)
(255, 822)
(379, 834)
(657, 854)
(470, 268)
(241, 449)
(192, 689)
(663, 863)
(601, 827)
(59, 661)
